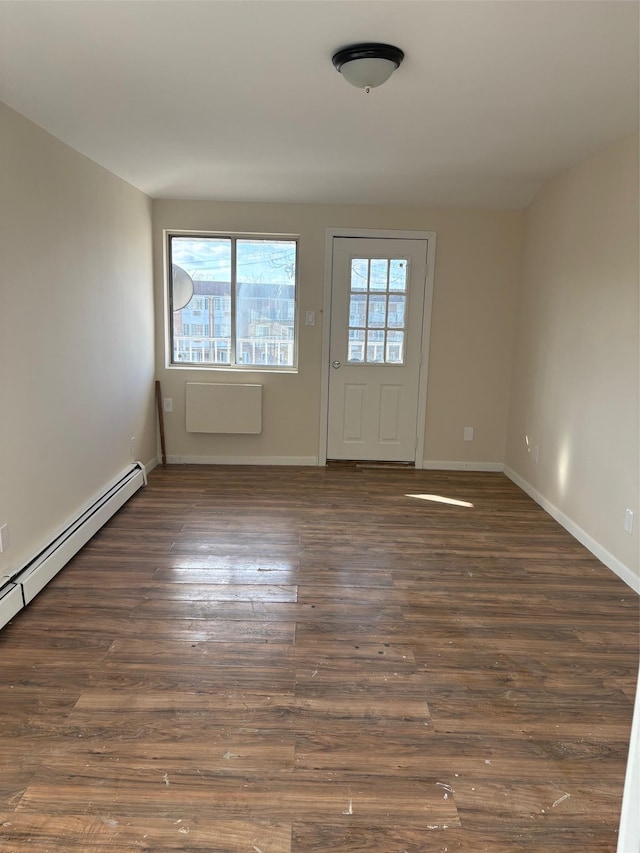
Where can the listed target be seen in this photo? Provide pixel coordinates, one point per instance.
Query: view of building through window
(377, 310)
(243, 308)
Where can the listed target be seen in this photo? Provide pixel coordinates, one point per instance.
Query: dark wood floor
(281, 660)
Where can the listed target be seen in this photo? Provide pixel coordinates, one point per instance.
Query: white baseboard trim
(613, 563)
(151, 464)
(438, 465)
(242, 460)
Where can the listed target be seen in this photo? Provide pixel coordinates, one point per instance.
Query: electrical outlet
(132, 447)
(628, 520)
(536, 453)
(468, 433)
(4, 538)
(167, 404)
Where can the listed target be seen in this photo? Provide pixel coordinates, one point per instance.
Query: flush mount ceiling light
(367, 65)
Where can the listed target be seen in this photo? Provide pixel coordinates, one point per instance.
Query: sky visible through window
(259, 261)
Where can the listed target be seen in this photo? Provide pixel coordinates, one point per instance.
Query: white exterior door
(377, 304)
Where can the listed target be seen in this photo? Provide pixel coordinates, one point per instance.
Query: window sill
(222, 369)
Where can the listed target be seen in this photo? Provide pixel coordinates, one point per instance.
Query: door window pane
(359, 274)
(396, 312)
(358, 310)
(375, 347)
(379, 276)
(357, 339)
(377, 310)
(395, 348)
(398, 275)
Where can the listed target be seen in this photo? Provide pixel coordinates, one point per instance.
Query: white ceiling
(238, 100)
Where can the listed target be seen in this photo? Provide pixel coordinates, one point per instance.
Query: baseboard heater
(22, 587)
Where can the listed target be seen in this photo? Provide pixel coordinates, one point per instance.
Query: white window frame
(168, 314)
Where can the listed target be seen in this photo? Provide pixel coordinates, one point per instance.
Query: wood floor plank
(146, 787)
(268, 574)
(213, 630)
(208, 677)
(442, 838)
(268, 592)
(180, 738)
(307, 660)
(121, 833)
(248, 562)
(335, 612)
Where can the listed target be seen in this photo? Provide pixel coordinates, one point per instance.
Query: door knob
(336, 364)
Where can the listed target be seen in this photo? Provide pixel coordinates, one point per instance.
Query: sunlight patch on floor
(441, 500)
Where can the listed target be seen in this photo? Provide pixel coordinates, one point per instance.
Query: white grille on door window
(377, 310)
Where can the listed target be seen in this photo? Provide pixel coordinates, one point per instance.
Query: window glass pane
(203, 258)
(377, 311)
(359, 273)
(395, 347)
(378, 274)
(398, 275)
(375, 346)
(396, 311)
(358, 309)
(265, 302)
(357, 338)
(202, 329)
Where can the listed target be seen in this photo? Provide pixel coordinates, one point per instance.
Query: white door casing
(376, 390)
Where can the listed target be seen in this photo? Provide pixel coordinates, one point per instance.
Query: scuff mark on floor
(165, 778)
(560, 800)
(350, 809)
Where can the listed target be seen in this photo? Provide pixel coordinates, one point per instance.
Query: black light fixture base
(368, 50)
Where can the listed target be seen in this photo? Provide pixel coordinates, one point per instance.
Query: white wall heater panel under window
(213, 407)
(25, 584)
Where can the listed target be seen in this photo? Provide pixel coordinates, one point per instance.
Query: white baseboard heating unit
(22, 587)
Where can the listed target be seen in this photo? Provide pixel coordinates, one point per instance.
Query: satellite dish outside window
(181, 288)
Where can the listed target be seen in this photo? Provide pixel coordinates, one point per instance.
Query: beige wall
(76, 333)
(476, 269)
(575, 381)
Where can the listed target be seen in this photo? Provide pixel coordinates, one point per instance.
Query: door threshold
(355, 463)
(385, 465)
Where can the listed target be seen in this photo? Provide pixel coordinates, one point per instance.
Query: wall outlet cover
(628, 520)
